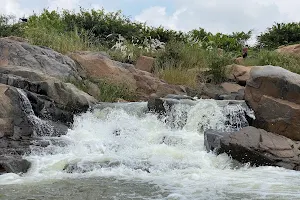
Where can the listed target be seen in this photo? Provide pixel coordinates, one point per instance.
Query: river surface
(123, 153)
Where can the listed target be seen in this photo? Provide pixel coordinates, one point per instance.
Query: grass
(288, 61)
(179, 76)
(62, 42)
(188, 64)
(108, 90)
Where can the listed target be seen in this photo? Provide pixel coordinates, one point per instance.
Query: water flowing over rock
(274, 95)
(256, 146)
(35, 102)
(175, 108)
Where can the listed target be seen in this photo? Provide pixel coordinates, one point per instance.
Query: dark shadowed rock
(9, 164)
(256, 146)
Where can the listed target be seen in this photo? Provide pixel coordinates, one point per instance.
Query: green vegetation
(181, 58)
(280, 34)
(108, 91)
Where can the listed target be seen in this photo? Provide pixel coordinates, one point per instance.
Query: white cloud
(63, 4)
(12, 7)
(223, 16)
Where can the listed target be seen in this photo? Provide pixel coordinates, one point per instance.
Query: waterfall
(40, 127)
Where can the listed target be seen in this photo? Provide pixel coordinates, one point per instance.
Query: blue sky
(214, 15)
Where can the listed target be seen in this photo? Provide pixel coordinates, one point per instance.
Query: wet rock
(274, 95)
(10, 164)
(256, 146)
(84, 167)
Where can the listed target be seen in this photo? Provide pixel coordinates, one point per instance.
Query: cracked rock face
(274, 95)
(256, 146)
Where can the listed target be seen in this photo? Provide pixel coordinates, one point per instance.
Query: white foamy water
(128, 145)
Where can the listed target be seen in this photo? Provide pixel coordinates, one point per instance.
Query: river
(124, 153)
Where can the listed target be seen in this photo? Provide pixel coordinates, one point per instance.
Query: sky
(224, 16)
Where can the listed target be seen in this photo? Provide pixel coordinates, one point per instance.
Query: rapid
(122, 152)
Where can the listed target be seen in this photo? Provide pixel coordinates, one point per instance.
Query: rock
(259, 147)
(44, 60)
(239, 60)
(92, 89)
(212, 140)
(231, 87)
(274, 95)
(141, 82)
(212, 90)
(10, 164)
(290, 49)
(178, 97)
(238, 73)
(145, 63)
(53, 90)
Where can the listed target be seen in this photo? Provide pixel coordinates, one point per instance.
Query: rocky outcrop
(41, 59)
(290, 49)
(255, 146)
(99, 66)
(274, 95)
(34, 99)
(42, 88)
(238, 73)
(145, 63)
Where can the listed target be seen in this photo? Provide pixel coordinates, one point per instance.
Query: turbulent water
(123, 153)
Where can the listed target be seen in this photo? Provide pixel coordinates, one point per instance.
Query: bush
(8, 28)
(279, 34)
(181, 63)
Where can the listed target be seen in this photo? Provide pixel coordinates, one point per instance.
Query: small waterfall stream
(121, 152)
(40, 127)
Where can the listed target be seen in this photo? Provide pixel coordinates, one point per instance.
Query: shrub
(279, 34)
(9, 28)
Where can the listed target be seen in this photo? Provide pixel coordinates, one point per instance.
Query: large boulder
(99, 66)
(41, 59)
(274, 95)
(64, 94)
(255, 146)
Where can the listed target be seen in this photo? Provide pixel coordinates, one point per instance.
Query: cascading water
(40, 127)
(117, 152)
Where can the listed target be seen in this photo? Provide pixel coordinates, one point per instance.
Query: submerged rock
(255, 146)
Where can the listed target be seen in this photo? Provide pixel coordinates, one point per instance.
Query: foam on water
(113, 142)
